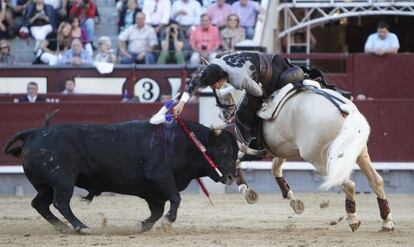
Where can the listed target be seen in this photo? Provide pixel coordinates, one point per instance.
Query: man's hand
(141, 56)
(178, 109)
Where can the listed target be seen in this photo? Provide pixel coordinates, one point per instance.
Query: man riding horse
(258, 74)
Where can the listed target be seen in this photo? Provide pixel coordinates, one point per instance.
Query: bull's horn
(217, 132)
(205, 62)
(218, 126)
(245, 149)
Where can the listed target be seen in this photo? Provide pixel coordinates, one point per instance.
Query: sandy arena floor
(231, 222)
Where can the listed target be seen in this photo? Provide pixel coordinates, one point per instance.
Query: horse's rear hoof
(355, 226)
(251, 196)
(385, 229)
(298, 206)
(166, 225)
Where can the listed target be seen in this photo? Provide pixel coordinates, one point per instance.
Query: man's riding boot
(247, 122)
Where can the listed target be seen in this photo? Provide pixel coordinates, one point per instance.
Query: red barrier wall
(385, 77)
(392, 129)
(17, 117)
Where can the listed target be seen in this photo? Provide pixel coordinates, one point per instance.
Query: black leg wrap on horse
(384, 208)
(350, 206)
(283, 185)
(240, 177)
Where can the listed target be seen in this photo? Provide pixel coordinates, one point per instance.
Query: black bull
(132, 158)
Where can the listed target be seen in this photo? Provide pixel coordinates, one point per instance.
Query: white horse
(310, 127)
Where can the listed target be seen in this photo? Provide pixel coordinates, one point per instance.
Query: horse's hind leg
(376, 182)
(349, 188)
(297, 205)
(42, 203)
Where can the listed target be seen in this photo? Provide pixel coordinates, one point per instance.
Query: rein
(219, 104)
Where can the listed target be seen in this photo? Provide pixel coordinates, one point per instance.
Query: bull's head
(222, 148)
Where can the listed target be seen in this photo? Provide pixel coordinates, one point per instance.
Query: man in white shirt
(186, 12)
(157, 13)
(141, 40)
(383, 41)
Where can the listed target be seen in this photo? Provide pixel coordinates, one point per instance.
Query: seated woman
(232, 33)
(81, 34)
(40, 19)
(55, 45)
(172, 45)
(104, 52)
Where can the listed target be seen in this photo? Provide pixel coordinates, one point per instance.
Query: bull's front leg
(156, 207)
(166, 188)
(171, 216)
(297, 205)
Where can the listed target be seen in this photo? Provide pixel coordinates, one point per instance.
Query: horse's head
(228, 99)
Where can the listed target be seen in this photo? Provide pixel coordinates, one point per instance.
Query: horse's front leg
(297, 205)
(250, 195)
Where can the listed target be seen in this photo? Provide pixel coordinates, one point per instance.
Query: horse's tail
(345, 149)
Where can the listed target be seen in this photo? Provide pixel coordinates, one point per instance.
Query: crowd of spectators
(149, 31)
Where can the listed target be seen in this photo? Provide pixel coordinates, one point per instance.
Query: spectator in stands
(85, 10)
(247, 10)
(127, 15)
(104, 51)
(60, 9)
(204, 40)
(6, 58)
(32, 96)
(7, 24)
(40, 18)
(219, 12)
(56, 44)
(76, 55)
(186, 13)
(383, 41)
(157, 13)
(18, 10)
(70, 85)
(79, 33)
(172, 45)
(233, 33)
(165, 97)
(141, 40)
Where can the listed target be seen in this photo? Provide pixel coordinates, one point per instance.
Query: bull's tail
(20, 136)
(345, 149)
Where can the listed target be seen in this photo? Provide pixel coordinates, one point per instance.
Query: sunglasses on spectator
(2, 47)
(233, 19)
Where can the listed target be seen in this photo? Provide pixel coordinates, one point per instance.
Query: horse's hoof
(355, 226)
(298, 206)
(385, 229)
(166, 225)
(251, 196)
(84, 231)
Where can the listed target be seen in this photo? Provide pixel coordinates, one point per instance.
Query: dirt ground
(231, 222)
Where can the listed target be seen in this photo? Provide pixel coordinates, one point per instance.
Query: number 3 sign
(147, 90)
